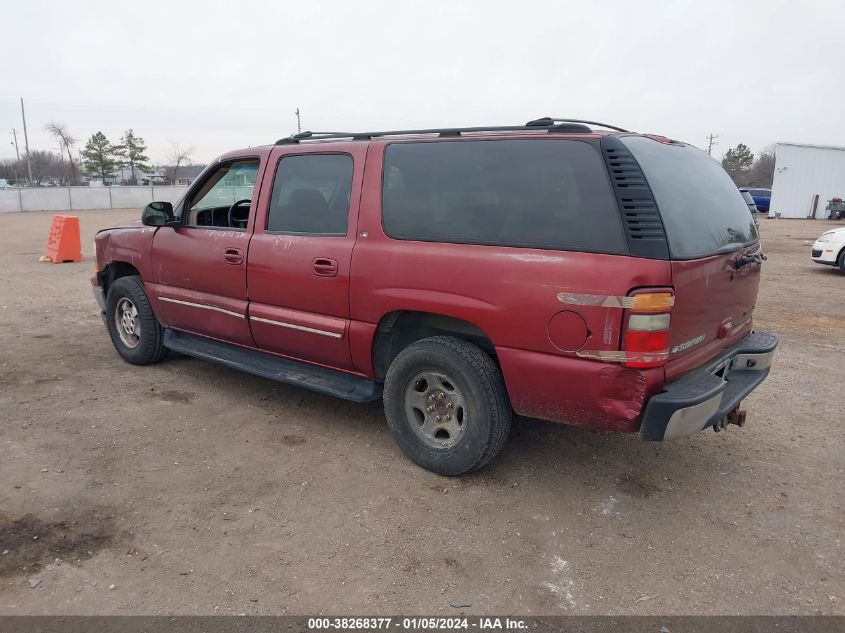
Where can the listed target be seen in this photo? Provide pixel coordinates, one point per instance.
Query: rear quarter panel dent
(621, 392)
(576, 391)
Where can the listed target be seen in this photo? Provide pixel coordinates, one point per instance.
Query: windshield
(702, 210)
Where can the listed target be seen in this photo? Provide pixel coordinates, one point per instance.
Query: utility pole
(712, 141)
(15, 135)
(26, 143)
(17, 154)
(298, 126)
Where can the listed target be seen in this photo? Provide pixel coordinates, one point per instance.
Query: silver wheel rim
(127, 322)
(436, 409)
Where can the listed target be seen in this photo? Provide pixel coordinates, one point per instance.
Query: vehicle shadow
(543, 455)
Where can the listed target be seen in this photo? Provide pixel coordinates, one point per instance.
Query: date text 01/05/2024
(417, 623)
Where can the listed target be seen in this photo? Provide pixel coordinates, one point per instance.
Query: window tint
(311, 194)
(702, 210)
(535, 193)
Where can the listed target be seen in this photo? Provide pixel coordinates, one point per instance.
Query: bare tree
(46, 167)
(60, 132)
(178, 156)
(763, 170)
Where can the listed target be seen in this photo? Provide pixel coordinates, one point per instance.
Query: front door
(199, 268)
(299, 257)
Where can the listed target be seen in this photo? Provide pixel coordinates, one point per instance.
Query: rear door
(299, 257)
(713, 244)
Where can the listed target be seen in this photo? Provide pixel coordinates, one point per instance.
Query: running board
(290, 372)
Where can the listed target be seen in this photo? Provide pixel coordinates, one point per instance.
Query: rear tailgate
(713, 308)
(713, 244)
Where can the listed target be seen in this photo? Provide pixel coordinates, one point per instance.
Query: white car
(830, 249)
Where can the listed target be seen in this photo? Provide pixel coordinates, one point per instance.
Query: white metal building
(806, 177)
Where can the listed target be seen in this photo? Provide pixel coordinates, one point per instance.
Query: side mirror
(157, 214)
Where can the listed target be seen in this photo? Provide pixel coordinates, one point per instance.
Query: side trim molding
(293, 326)
(203, 306)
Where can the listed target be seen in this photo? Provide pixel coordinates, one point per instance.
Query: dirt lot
(190, 488)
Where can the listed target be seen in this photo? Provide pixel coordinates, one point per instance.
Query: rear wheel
(446, 405)
(135, 332)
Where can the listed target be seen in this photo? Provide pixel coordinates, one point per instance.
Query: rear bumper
(705, 396)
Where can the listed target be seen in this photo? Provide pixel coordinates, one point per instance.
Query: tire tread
(490, 381)
(154, 350)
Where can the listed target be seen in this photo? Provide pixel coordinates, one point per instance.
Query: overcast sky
(222, 75)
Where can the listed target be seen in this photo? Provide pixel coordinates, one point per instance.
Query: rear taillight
(646, 341)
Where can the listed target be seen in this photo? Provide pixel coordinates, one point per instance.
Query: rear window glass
(311, 195)
(702, 210)
(551, 194)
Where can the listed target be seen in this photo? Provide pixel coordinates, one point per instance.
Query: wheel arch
(114, 271)
(398, 329)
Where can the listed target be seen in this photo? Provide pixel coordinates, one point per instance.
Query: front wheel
(842, 261)
(135, 332)
(446, 405)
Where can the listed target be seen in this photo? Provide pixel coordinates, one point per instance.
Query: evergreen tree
(132, 149)
(99, 156)
(737, 160)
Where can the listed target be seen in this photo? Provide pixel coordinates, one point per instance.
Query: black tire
(477, 390)
(149, 346)
(842, 261)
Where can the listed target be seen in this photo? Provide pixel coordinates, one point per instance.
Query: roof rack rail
(574, 126)
(549, 121)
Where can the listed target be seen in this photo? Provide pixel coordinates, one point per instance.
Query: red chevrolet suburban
(562, 269)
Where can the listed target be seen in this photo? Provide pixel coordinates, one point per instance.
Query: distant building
(159, 175)
(185, 175)
(806, 178)
(123, 176)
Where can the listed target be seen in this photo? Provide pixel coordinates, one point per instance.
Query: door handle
(234, 256)
(325, 267)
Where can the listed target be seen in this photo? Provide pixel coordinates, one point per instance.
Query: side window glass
(225, 199)
(535, 193)
(311, 195)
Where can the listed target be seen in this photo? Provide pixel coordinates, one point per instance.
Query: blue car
(761, 196)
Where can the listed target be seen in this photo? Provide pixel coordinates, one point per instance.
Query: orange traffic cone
(64, 245)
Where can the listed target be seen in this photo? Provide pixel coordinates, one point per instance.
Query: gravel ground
(189, 488)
